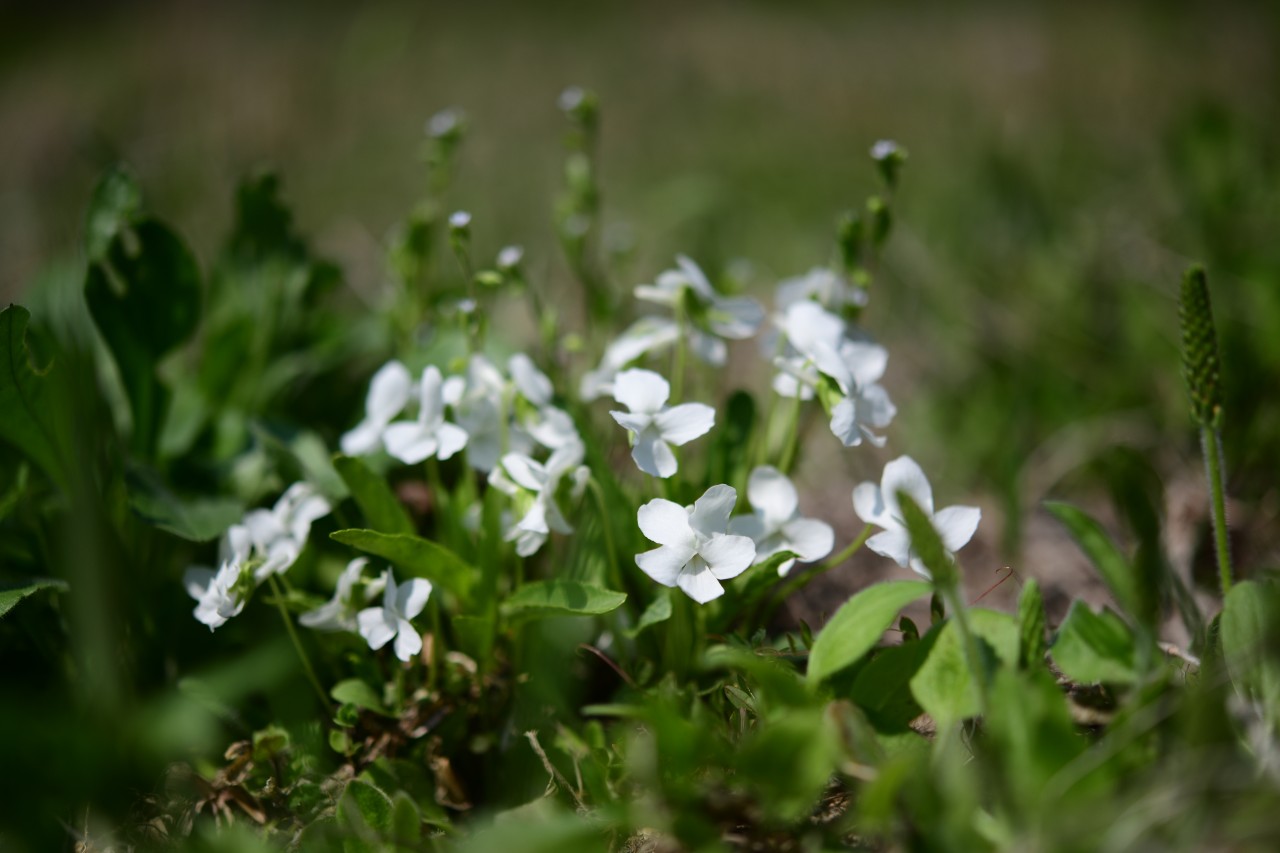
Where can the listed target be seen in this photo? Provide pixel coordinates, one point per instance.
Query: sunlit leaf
(1102, 552)
(415, 556)
(562, 598)
(945, 686)
(10, 595)
(1094, 648)
(858, 625)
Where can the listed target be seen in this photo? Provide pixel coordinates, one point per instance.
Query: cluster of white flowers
(266, 542)
(377, 625)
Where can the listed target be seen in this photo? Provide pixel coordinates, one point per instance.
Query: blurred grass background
(1067, 162)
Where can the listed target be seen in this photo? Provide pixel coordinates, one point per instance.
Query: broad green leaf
(1031, 626)
(416, 556)
(1102, 552)
(144, 295)
(196, 520)
(944, 686)
(28, 422)
(789, 762)
(561, 598)
(1034, 736)
(381, 510)
(858, 625)
(1095, 647)
(927, 544)
(1250, 633)
(882, 688)
(357, 692)
(364, 805)
(659, 610)
(10, 595)
(116, 202)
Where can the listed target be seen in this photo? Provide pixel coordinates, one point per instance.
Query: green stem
(800, 581)
(1211, 444)
(297, 641)
(615, 568)
(792, 438)
(677, 366)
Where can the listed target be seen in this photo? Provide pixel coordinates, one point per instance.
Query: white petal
(809, 538)
(866, 361)
(633, 422)
(197, 579)
(375, 627)
(894, 544)
(681, 424)
(844, 423)
(875, 409)
(829, 362)
(453, 389)
(711, 511)
(666, 523)
(707, 347)
(389, 392)
(641, 391)
(363, 438)
(700, 585)
(868, 503)
(643, 336)
(664, 564)
(727, 555)
(695, 278)
(408, 641)
(411, 597)
(451, 439)
(531, 382)
(904, 475)
(327, 617)
(749, 525)
(653, 456)
(956, 525)
(805, 323)
(409, 442)
(432, 397)
(525, 471)
(772, 494)
(737, 317)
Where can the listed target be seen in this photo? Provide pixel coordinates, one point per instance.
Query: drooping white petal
(410, 442)
(807, 325)
(408, 641)
(666, 523)
(525, 471)
(653, 456)
(695, 278)
(736, 317)
(531, 382)
(377, 626)
(772, 494)
(894, 544)
(866, 361)
(956, 525)
(868, 503)
(389, 392)
(411, 597)
(874, 406)
(682, 424)
(809, 538)
(197, 580)
(431, 398)
(700, 585)
(728, 555)
(451, 438)
(636, 423)
(707, 347)
(364, 438)
(641, 391)
(711, 512)
(664, 564)
(844, 423)
(904, 475)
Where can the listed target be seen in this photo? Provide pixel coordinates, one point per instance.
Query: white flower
(389, 392)
(534, 487)
(445, 122)
(459, 219)
(339, 612)
(220, 595)
(646, 335)
(696, 553)
(479, 403)
(431, 435)
(878, 505)
(400, 603)
(776, 525)
(279, 534)
(530, 382)
(654, 426)
(509, 257)
(822, 285)
(712, 317)
(884, 149)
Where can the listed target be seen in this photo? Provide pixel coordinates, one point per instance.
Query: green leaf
(365, 805)
(116, 202)
(1035, 738)
(927, 544)
(381, 510)
(25, 398)
(357, 692)
(1031, 626)
(417, 556)
(858, 625)
(882, 688)
(10, 595)
(1250, 632)
(944, 686)
(659, 610)
(1102, 552)
(144, 296)
(561, 598)
(789, 762)
(197, 520)
(1095, 647)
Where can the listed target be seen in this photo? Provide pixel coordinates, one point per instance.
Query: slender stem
(1211, 444)
(800, 581)
(615, 568)
(297, 641)
(792, 438)
(677, 367)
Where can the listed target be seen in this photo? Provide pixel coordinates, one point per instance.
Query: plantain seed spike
(1200, 364)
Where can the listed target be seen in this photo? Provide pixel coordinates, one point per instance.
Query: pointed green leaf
(11, 595)
(1250, 631)
(381, 510)
(196, 520)
(1031, 626)
(1102, 552)
(858, 625)
(1094, 648)
(659, 610)
(115, 203)
(927, 544)
(357, 692)
(562, 598)
(416, 556)
(25, 397)
(944, 686)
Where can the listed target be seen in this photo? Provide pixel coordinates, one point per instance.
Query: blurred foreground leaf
(381, 510)
(945, 686)
(1095, 648)
(196, 520)
(1250, 627)
(28, 419)
(858, 625)
(10, 595)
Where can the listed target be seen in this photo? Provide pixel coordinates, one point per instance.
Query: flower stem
(297, 641)
(792, 437)
(800, 581)
(677, 366)
(1211, 444)
(615, 568)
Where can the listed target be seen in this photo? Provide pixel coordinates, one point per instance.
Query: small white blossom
(339, 612)
(459, 219)
(777, 525)
(221, 594)
(400, 603)
(509, 257)
(695, 552)
(430, 435)
(821, 285)
(279, 534)
(712, 317)
(445, 122)
(884, 149)
(878, 505)
(534, 485)
(389, 392)
(652, 424)
(644, 336)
